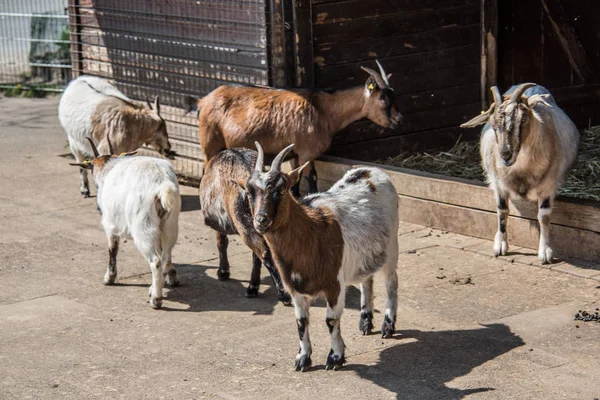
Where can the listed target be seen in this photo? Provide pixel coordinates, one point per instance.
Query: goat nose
(505, 154)
(261, 218)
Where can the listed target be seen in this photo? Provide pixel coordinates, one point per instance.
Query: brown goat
(238, 116)
(226, 209)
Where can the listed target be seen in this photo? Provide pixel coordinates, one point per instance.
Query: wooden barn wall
(555, 43)
(172, 48)
(432, 48)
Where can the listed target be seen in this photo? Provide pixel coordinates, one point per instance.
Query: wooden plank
(215, 10)
(303, 49)
(385, 47)
(447, 117)
(347, 75)
(391, 146)
(565, 241)
(356, 9)
(181, 48)
(489, 32)
(395, 24)
(226, 34)
(187, 68)
(277, 45)
(561, 23)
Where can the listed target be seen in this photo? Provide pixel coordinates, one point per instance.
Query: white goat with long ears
(139, 198)
(92, 107)
(328, 241)
(528, 145)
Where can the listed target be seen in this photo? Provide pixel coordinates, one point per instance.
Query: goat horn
(276, 165)
(383, 73)
(94, 148)
(110, 148)
(516, 96)
(258, 167)
(496, 94)
(378, 79)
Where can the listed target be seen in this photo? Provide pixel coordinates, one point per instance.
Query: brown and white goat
(92, 107)
(238, 116)
(528, 145)
(327, 241)
(226, 209)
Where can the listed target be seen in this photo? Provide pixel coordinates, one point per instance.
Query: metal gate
(34, 44)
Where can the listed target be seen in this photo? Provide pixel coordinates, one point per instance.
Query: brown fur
(230, 192)
(238, 116)
(129, 126)
(312, 228)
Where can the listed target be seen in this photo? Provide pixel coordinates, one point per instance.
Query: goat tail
(167, 199)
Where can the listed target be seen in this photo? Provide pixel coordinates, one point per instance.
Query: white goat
(92, 107)
(328, 241)
(139, 198)
(528, 145)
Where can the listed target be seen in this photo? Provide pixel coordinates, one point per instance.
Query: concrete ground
(468, 325)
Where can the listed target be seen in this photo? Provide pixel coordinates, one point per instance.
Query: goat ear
(129, 153)
(371, 85)
(478, 120)
(239, 183)
(84, 165)
(295, 175)
(538, 99)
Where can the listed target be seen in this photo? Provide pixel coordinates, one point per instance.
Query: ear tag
(122, 154)
(371, 86)
(87, 162)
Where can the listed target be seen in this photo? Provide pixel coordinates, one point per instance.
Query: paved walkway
(469, 325)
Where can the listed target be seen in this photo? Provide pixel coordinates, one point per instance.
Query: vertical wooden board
(304, 48)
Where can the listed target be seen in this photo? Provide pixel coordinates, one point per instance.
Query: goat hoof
(285, 298)
(223, 276)
(109, 279)
(365, 323)
(546, 255)
(85, 195)
(388, 328)
(500, 245)
(252, 291)
(303, 362)
(334, 361)
(156, 302)
(172, 280)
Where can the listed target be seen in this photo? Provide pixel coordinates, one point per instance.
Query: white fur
(77, 105)
(128, 189)
(548, 126)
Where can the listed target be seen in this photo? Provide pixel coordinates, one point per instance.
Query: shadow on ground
(202, 292)
(421, 368)
(190, 202)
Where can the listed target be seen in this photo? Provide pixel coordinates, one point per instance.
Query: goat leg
(222, 243)
(365, 324)
(501, 239)
(113, 249)
(545, 253)
(283, 296)
(252, 290)
(335, 308)
(301, 306)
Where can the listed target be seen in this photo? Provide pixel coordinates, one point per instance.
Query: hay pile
(463, 161)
